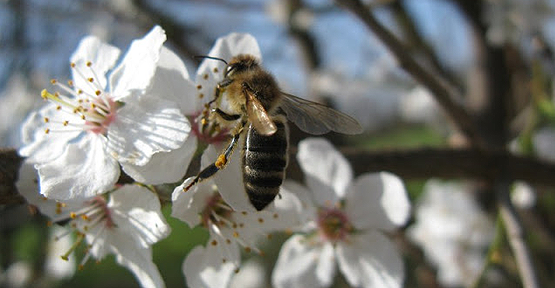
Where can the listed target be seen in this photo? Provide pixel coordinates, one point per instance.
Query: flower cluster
(145, 116)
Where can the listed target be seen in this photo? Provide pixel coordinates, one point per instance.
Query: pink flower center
(208, 132)
(89, 108)
(333, 224)
(216, 211)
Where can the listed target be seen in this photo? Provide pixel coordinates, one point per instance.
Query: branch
(419, 163)
(447, 96)
(9, 168)
(516, 233)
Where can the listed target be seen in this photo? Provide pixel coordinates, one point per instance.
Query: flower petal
(137, 212)
(230, 179)
(39, 146)
(325, 269)
(377, 201)
(297, 202)
(146, 125)
(324, 167)
(137, 68)
(141, 265)
(102, 57)
(164, 167)
(210, 71)
(204, 268)
(171, 82)
(83, 170)
(299, 265)
(370, 260)
(186, 206)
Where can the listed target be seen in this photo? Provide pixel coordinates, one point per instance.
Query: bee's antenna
(210, 57)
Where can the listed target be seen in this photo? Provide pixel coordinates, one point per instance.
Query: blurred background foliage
(497, 54)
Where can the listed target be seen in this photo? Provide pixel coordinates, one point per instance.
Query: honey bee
(260, 110)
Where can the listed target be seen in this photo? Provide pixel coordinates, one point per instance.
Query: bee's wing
(259, 117)
(317, 119)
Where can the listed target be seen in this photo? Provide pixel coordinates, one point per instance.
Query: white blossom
(126, 223)
(344, 220)
(453, 232)
(94, 123)
(230, 231)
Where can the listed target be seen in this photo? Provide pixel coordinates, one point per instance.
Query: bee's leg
(225, 116)
(221, 161)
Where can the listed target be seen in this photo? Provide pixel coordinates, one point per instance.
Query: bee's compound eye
(229, 70)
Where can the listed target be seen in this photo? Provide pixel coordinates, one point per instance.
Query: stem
(515, 234)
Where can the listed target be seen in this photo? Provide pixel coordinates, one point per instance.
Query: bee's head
(241, 63)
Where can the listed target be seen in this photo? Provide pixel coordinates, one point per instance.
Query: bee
(260, 110)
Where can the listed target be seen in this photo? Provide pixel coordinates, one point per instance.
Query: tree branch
(515, 234)
(446, 95)
(419, 163)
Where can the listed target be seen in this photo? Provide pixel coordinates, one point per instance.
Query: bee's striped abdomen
(264, 162)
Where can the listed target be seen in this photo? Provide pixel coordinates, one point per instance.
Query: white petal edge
(203, 268)
(370, 260)
(164, 167)
(297, 264)
(40, 147)
(171, 82)
(140, 212)
(146, 125)
(82, 171)
(102, 56)
(324, 167)
(137, 68)
(377, 201)
(187, 206)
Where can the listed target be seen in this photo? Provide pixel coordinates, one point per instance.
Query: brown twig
(515, 234)
(446, 95)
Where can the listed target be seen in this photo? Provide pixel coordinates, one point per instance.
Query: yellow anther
(70, 83)
(58, 107)
(72, 215)
(83, 117)
(64, 257)
(66, 122)
(90, 79)
(46, 120)
(46, 131)
(84, 217)
(89, 63)
(220, 163)
(260, 220)
(72, 65)
(205, 76)
(97, 92)
(227, 241)
(199, 87)
(53, 81)
(79, 91)
(203, 121)
(201, 95)
(235, 234)
(214, 242)
(216, 70)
